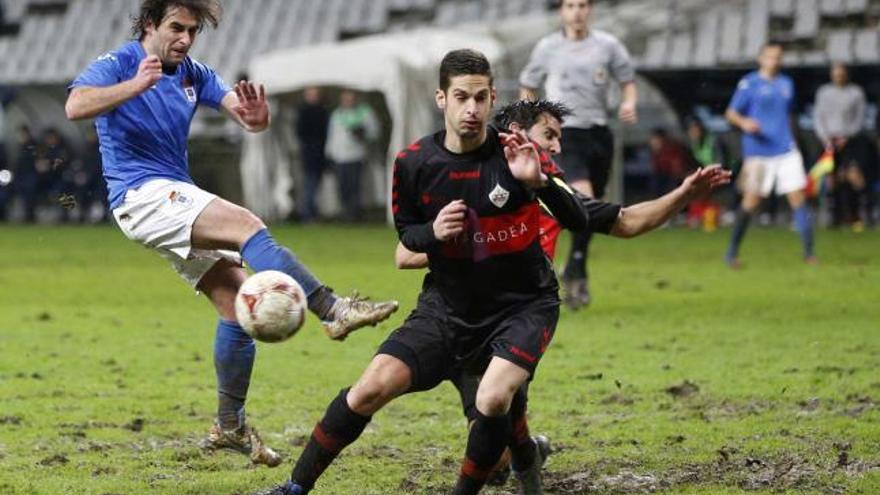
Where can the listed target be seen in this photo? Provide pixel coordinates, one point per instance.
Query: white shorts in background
(760, 174)
(160, 215)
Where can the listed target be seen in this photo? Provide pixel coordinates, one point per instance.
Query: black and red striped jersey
(497, 263)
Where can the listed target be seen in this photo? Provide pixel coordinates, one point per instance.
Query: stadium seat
(806, 24)
(730, 49)
(757, 25)
(782, 8)
(840, 45)
(833, 8)
(865, 47)
(706, 52)
(681, 51)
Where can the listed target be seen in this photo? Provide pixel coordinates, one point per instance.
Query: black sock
(321, 302)
(576, 267)
(486, 442)
(339, 427)
(739, 231)
(522, 448)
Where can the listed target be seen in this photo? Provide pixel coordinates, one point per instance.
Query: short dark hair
(464, 62)
(154, 12)
(771, 44)
(527, 113)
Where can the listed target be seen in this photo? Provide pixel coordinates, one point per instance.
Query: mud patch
(54, 460)
(683, 390)
(781, 473)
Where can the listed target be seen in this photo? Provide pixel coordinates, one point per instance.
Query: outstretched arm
(86, 102)
(246, 104)
(644, 217)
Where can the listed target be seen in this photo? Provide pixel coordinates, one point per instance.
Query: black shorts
(436, 349)
(587, 154)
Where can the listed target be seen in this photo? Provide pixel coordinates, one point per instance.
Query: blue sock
(739, 231)
(234, 353)
(804, 222)
(262, 253)
(291, 488)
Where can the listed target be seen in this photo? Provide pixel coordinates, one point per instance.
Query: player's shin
(339, 427)
(739, 231)
(522, 447)
(261, 252)
(234, 353)
(486, 442)
(576, 267)
(803, 220)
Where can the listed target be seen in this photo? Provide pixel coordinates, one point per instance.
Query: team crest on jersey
(600, 76)
(190, 90)
(499, 196)
(180, 199)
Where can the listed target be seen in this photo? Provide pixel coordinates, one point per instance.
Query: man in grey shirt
(576, 67)
(839, 118)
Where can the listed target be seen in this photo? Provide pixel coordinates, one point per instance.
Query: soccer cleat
(530, 482)
(811, 260)
(733, 263)
(245, 440)
(352, 313)
(289, 488)
(577, 293)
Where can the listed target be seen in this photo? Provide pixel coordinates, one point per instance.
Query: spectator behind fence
(705, 150)
(311, 129)
(839, 120)
(82, 182)
(353, 126)
(670, 161)
(26, 179)
(53, 157)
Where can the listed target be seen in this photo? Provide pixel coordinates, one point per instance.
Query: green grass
(97, 333)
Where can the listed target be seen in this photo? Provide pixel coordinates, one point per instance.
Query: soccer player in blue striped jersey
(143, 97)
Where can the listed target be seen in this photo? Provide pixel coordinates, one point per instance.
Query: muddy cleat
(577, 293)
(289, 488)
(244, 440)
(352, 313)
(530, 482)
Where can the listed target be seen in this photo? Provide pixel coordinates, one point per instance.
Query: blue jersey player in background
(143, 97)
(761, 108)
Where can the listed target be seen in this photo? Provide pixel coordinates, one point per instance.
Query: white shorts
(160, 215)
(760, 174)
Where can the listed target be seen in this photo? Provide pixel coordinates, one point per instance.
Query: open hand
(523, 159)
(252, 107)
(704, 180)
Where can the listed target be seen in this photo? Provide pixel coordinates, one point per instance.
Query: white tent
(402, 67)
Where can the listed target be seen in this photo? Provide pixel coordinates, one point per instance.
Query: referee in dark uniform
(576, 67)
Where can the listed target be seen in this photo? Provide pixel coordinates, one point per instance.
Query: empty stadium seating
(730, 33)
(87, 27)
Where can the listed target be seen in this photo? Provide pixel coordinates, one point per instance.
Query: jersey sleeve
(211, 87)
(621, 64)
(535, 71)
(415, 232)
(104, 71)
(740, 101)
(561, 202)
(601, 216)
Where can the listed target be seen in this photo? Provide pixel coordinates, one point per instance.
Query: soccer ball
(270, 306)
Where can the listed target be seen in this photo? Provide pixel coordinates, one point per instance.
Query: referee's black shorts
(436, 349)
(587, 154)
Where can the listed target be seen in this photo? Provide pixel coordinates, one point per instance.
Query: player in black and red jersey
(469, 198)
(542, 121)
